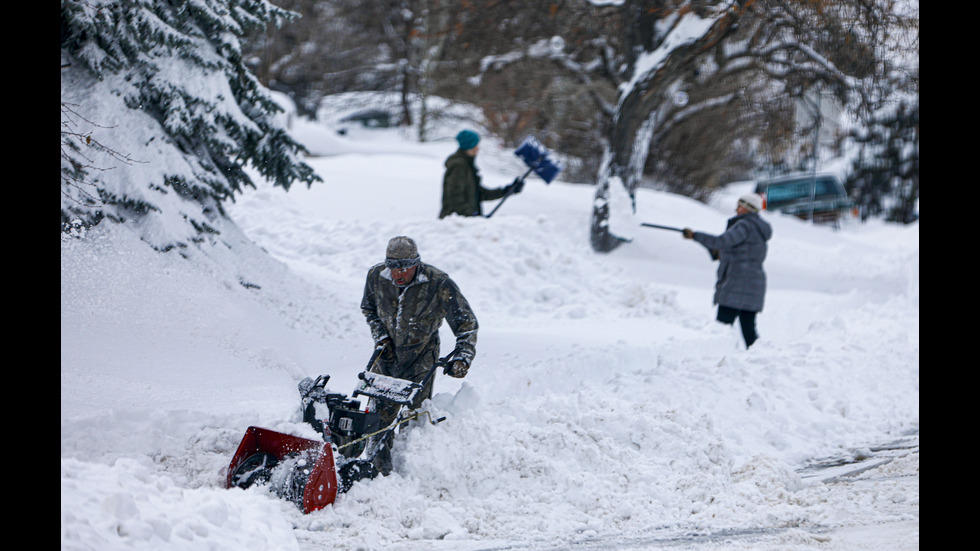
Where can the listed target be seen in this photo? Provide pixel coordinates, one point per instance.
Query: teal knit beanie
(467, 139)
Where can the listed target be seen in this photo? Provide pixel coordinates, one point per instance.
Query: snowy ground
(605, 409)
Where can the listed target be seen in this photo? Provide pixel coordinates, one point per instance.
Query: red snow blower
(311, 473)
(305, 467)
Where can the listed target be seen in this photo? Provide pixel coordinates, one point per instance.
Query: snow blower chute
(309, 472)
(298, 469)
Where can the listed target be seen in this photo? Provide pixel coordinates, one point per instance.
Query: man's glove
(688, 233)
(388, 349)
(456, 369)
(516, 186)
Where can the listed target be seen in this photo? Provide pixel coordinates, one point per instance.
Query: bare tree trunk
(408, 85)
(645, 102)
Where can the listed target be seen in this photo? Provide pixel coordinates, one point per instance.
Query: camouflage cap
(402, 253)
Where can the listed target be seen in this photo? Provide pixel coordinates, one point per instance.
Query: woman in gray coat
(741, 287)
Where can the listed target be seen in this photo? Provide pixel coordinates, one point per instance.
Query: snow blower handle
(445, 362)
(379, 351)
(374, 357)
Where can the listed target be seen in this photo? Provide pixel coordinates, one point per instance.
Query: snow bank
(604, 400)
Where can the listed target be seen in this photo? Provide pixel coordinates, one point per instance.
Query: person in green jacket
(462, 192)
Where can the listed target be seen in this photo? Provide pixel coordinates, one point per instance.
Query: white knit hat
(751, 201)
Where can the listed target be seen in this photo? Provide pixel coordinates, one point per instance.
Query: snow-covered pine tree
(160, 116)
(885, 175)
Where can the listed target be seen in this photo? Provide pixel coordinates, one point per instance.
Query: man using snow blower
(404, 303)
(741, 286)
(462, 192)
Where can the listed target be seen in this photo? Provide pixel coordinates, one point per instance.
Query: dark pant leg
(727, 315)
(382, 444)
(379, 446)
(747, 320)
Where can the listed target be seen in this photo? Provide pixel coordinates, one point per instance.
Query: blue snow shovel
(539, 160)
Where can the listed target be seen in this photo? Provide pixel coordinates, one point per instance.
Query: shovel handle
(506, 195)
(658, 226)
(511, 192)
(711, 253)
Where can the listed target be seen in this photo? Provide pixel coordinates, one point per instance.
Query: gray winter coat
(411, 317)
(742, 249)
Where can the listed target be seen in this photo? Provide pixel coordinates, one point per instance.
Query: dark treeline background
(558, 70)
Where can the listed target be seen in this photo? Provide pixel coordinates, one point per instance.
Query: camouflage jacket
(411, 317)
(462, 192)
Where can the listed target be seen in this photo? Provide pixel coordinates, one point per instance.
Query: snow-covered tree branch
(792, 46)
(162, 85)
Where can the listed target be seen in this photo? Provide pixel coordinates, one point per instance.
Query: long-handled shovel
(711, 253)
(539, 160)
(658, 226)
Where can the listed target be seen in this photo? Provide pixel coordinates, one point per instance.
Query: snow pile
(136, 508)
(604, 401)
